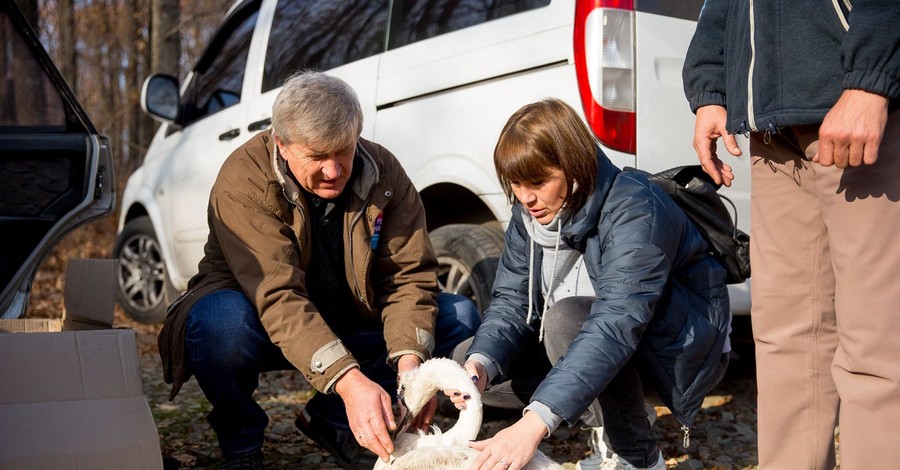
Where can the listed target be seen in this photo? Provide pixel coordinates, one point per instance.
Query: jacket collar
(587, 218)
(368, 177)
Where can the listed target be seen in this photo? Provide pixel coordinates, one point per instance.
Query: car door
(55, 169)
(215, 109)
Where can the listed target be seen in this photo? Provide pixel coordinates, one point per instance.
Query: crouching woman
(605, 276)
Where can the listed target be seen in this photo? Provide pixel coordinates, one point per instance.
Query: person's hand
(369, 412)
(708, 128)
(852, 130)
(479, 376)
(407, 363)
(511, 448)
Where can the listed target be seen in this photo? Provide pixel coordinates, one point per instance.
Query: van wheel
(143, 288)
(468, 256)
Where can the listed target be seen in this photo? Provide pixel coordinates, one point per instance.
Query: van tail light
(604, 65)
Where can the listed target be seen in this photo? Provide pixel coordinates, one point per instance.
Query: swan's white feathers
(449, 450)
(436, 458)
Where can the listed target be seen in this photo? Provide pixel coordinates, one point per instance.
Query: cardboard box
(30, 325)
(89, 297)
(74, 399)
(88, 300)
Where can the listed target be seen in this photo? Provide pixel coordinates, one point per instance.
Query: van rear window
(322, 35)
(415, 20)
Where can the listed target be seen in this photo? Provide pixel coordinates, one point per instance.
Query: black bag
(697, 194)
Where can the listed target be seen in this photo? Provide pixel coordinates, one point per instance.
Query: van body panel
(465, 122)
(665, 126)
(500, 47)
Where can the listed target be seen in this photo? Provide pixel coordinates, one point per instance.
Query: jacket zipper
(353, 222)
(356, 218)
(685, 430)
(750, 118)
(299, 209)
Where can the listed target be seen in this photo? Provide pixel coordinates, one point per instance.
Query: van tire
(143, 287)
(468, 256)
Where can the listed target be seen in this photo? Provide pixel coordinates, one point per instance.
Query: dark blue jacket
(798, 61)
(659, 298)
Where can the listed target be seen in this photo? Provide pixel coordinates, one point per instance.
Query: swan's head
(420, 384)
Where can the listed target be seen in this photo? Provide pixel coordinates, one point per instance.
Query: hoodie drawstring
(550, 284)
(530, 280)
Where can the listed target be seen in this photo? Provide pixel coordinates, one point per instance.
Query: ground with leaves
(724, 438)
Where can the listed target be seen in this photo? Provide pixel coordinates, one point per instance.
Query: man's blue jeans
(228, 347)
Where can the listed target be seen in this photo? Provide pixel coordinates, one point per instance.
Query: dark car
(56, 170)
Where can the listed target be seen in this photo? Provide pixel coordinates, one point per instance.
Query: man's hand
(369, 412)
(405, 364)
(511, 448)
(852, 130)
(708, 128)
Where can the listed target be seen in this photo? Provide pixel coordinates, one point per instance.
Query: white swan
(448, 450)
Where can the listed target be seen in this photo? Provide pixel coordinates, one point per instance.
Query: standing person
(816, 87)
(605, 278)
(318, 259)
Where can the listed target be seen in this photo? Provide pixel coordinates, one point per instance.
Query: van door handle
(228, 135)
(259, 125)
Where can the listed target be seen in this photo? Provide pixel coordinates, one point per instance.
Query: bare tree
(67, 52)
(27, 106)
(139, 127)
(165, 36)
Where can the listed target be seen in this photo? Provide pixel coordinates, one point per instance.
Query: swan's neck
(468, 423)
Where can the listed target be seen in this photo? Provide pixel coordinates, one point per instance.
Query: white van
(437, 80)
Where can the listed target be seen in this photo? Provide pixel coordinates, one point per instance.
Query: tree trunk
(140, 125)
(67, 53)
(165, 38)
(28, 103)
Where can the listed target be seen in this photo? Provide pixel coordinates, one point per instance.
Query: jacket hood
(587, 218)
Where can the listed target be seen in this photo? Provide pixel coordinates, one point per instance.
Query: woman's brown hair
(543, 135)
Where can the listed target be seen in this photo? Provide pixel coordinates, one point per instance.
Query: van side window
(322, 35)
(219, 75)
(415, 20)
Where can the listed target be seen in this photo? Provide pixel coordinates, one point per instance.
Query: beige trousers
(825, 254)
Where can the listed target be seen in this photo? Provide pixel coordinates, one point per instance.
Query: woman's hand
(479, 376)
(511, 448)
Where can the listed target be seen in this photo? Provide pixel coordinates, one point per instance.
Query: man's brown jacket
(259, 243)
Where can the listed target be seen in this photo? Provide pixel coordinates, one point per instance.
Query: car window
(28, 99)
(219, 76)
(415, 20)
(322, 35)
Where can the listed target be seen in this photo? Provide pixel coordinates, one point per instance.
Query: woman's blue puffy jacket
(660, 299)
